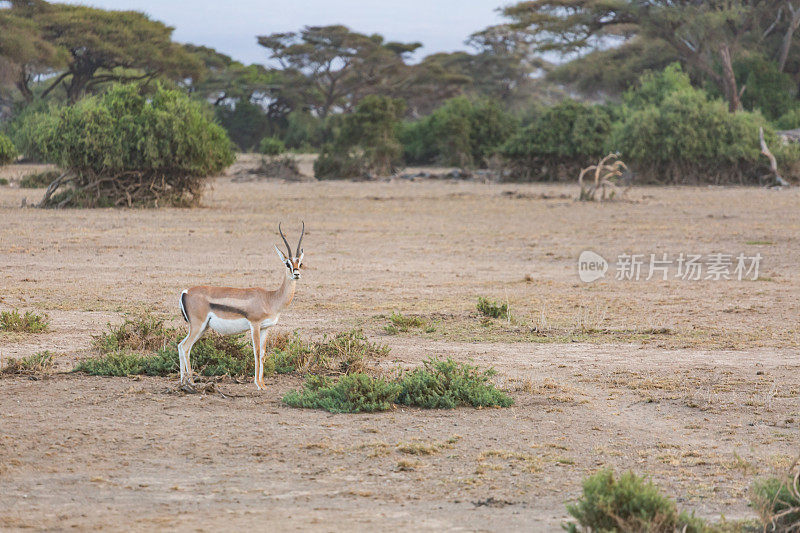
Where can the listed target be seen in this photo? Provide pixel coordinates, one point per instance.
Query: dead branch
(773, 163)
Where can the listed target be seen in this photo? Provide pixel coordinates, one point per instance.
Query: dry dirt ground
(695, 383)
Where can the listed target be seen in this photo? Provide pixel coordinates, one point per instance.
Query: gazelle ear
(300, 260)
(280, 254)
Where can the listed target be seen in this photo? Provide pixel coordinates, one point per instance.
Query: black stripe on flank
(227, 309)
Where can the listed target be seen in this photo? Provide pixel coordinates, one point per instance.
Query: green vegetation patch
(439, 384)
(37, 363)
(492, 309)
(778, 502)
(353, 393)
(8, 152)
(30, 322)
(399, 323)
(627, 503)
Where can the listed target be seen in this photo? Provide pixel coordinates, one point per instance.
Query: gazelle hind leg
(185, 352)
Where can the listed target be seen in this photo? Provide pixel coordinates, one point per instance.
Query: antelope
(228, 310)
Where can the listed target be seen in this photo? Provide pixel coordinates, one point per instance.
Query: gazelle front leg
(263, 343)
(255, 335)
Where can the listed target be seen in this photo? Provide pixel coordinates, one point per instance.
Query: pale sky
(231, 27)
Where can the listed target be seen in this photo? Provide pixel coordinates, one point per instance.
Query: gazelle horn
(288, 248)
(297, 254)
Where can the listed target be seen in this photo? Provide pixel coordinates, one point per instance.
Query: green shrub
(629, 503)
(304, 131)
(31, 129)
(38, 180)
(459, 133)
(337, 163)
(364, 141)
(123, 147)
(8, 152)
(778, 503)
(140, 333)
(32, 364)
(3, 181)
(492, 309)
(558, 142)
(789, 120)
(30, 322)
(672, 132)
(766, 88)
(271, 146)
(352, 393)
(446, 384)
(404, 323)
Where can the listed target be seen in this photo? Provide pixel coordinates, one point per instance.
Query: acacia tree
(707, 36)
(103, 46)
(24, 52)
(334, 67)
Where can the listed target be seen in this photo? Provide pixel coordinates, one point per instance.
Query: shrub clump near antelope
(354, 393)
(29, 322)
(445, 384)
(437, 385)
(125, 147)
(627, 503)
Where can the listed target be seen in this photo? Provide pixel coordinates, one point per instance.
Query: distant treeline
(718, 71)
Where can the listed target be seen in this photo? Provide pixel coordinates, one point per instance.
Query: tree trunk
(729, 84)
(22, 85)
(794, 23)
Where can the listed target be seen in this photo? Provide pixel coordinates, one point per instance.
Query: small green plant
(446, 384)
(141, 333)
(271, 146)
(3, 181)
(33, 364)
(39, 180)
(629, 503)
(353, 393)
(8, 152)
(405, 323)
(778, 501)
(492, 309)
(29, 322)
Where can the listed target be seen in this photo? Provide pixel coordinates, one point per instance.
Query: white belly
(228, 327)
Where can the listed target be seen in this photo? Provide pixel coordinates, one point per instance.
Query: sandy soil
(693, 382)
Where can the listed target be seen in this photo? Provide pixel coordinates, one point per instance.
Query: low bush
(353, 393)
(124, 147)
(336, 163)
(33, 364)
(3, 181)
(459, 133)
(558, 142)
(39, 180)
(437, 385)
(492, 309)
(271, 146)
(8, 151)
(778, 501)
(30, 322)
(446, 384)
(404, 323)
(627, 503)
(789, 120)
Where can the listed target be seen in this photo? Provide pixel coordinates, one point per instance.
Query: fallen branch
(773, 163)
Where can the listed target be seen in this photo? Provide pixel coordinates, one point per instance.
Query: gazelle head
(293, 262)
